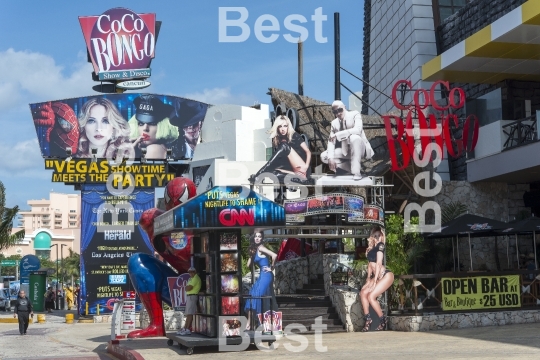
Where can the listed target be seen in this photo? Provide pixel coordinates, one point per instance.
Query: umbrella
(473, 225)
(528, 225)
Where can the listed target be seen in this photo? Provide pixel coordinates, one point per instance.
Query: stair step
(308, 310)
(308, 322)
(310, 291)
(313, 286)
(317, 281)
(301, 297)
(328, 331)
(292, 316)
(306, 304)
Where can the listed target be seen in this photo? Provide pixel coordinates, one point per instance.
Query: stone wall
(348, 306)
(471, 18)
(290, 275)
(497, 201)
(461, 321)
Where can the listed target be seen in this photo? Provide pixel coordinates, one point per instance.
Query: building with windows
(49, 222)
(489, 48)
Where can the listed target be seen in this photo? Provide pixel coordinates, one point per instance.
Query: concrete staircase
(308, 304)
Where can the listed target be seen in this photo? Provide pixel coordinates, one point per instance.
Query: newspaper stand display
(217, 219)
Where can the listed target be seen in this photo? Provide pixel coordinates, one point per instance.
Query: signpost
(128, 311)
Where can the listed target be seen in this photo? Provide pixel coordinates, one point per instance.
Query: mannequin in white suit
(345, 144)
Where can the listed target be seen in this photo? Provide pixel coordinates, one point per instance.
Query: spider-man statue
(149, 275)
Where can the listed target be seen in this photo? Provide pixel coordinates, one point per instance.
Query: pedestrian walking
(49, 299)
(23, 308)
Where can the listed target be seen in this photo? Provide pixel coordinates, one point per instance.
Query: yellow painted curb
(12, 321)
(86, 321)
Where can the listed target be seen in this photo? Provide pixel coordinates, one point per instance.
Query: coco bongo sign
(121, 43)
(430, 130)
(433, 135)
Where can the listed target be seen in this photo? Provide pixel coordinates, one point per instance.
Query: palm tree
(6, 222)
(72, 265)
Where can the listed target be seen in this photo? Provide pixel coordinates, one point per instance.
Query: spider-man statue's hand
(43, 115)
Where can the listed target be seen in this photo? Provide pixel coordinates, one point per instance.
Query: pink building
(50, 222)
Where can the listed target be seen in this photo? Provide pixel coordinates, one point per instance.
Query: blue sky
(43, 57)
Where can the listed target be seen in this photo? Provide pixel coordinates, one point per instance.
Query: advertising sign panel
(110, 234)
(38, 283)
(120, 40)
(226, 206)
(481, 292)
(119, 125)
(335, 203)
(28, 264)
(177, 290)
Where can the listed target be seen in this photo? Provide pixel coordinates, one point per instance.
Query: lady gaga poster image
(126, 125)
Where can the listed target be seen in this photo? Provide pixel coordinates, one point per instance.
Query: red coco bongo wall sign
(120, 42)
(429, 129)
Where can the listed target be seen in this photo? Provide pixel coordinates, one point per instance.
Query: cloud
(33, 77)
(20, 157)
(217, 96)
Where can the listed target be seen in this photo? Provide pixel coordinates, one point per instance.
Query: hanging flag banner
(481, 292)
(335, 203)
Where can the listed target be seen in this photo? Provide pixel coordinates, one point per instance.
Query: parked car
(5, 303)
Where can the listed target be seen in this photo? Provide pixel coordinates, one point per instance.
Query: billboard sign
(28, 264)
(125, 125)
(222, 207)
(105, 250)
(177, 290)
(119, 40)
(336, 203)
(133, 84)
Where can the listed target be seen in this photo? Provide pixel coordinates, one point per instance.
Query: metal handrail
(520, 134)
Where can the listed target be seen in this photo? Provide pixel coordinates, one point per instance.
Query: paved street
(88, 341)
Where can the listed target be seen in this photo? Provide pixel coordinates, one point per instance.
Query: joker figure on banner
(149, 275)
(150, 127)
(264, 286)
(188, 115)
(347, 143)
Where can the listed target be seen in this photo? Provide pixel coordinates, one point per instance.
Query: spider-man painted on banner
(148, 274)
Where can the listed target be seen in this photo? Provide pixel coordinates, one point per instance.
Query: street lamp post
(63, 269)
(56, 297)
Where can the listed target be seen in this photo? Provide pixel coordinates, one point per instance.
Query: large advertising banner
(335, 203)
(119, 125)
(110, 234)
(481, 292)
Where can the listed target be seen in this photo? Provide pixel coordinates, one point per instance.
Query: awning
(508, 48)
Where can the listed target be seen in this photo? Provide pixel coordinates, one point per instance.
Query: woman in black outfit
(379, 279)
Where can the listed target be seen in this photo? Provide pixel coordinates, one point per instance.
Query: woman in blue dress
(264, 286)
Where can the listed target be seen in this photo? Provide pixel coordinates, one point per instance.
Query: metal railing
(520, 132)
(421, 293)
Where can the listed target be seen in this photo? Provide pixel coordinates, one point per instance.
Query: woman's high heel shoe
(382, 323)
(367, 323)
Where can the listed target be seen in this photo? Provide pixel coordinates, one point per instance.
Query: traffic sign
(9, 262)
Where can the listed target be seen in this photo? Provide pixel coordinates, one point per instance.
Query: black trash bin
(60, 304)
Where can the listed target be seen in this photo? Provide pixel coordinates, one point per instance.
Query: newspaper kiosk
(217, 219)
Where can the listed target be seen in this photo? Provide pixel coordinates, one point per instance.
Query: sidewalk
(55, 340)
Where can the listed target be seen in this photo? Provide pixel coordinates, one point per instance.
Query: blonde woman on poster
(103, 128)
(379, 279)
